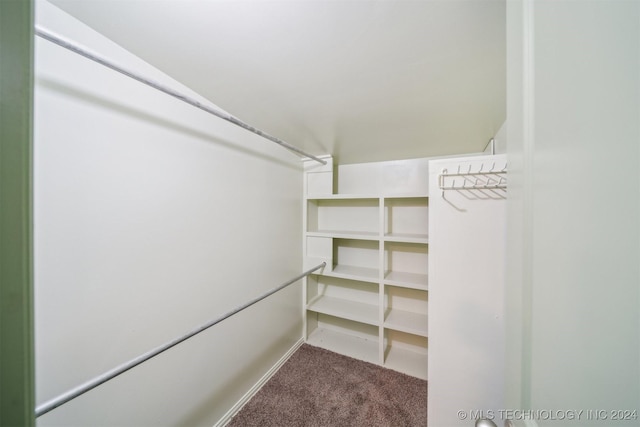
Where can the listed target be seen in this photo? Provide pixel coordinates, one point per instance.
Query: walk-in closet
(320, 213)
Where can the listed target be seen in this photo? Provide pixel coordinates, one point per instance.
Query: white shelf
(354, 273)
(369, 235)
(349, 345)
(367, 196)
(407, 280)
(407, 361)
(406, 196)
(346, 309)
(358, 235)
(406, 321)
(406, 238)
(342, 197)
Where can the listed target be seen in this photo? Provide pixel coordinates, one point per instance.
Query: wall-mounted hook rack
(481, 179)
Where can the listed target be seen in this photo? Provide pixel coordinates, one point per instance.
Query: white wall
(391, 177)
(574, 147)
(467, 242)
(500, 141)
(151, 218)
(408, 176)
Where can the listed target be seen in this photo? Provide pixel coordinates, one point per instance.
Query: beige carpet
(316, 387)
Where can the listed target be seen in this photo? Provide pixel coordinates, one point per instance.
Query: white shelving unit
(370, 302)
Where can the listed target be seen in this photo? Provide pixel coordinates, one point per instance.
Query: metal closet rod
(101, 379)
(60, 41)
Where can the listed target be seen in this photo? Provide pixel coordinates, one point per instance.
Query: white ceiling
(362, 80)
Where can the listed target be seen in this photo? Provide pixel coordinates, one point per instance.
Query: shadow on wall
(158, 121)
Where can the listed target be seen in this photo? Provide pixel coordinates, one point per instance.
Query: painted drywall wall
(467, 243)
(151, 218)
(499, 143)
(392, 177)
(575, 210)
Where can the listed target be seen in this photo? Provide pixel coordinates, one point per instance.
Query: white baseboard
(253, 390)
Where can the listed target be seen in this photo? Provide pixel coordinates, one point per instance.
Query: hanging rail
(60, 41)
(101, 379)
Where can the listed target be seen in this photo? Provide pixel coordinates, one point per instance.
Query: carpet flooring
(316, 387)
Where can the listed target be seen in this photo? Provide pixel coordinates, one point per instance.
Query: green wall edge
(17, 397)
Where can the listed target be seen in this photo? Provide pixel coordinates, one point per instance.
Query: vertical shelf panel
(319, 183)
(318, 250)
(318, 178)
(381, 227)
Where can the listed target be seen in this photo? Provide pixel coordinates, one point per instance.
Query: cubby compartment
(405, 264)
(347, 218)
(356, 259)
(405, 310)
(406, 353)
(354, 339)
(406, 219)
(348, 299)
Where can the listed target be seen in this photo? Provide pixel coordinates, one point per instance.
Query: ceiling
(362, 80)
